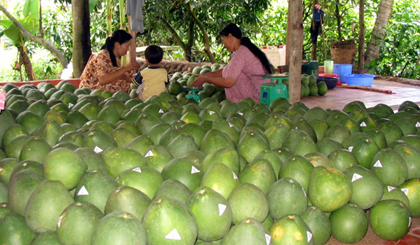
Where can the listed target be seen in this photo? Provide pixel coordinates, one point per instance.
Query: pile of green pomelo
(92, 167)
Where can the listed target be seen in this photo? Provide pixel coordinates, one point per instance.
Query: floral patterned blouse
(98, 65)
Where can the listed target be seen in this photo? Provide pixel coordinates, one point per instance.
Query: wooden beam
(294, 47)
(132, 50)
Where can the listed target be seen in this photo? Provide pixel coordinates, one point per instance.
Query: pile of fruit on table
(91, 167)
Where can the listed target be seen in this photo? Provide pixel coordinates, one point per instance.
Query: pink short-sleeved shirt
(243, 66)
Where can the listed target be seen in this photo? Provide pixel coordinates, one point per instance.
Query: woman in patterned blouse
(104, 70)
(238, 77)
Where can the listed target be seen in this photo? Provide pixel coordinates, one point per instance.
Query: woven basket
(343, 56)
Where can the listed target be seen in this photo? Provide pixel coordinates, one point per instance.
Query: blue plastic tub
(342, 70)
(359, 79)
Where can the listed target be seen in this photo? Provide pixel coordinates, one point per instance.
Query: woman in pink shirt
(238, 77)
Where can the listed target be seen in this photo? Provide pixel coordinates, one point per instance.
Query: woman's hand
(198, 82)
(133, 65)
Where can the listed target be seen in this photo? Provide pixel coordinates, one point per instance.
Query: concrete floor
(338, 97)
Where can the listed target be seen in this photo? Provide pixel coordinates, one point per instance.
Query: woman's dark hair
(118, 36)
(154, 54)
(236, 32)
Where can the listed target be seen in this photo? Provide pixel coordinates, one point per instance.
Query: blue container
(342, 70)
(359, 79)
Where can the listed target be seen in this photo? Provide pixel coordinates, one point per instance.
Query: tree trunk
(361, 36)
(27, 63)
(81, 36)
(337, 15)
(378, 33)
(295, 46)
(314, 45)
(185, 46)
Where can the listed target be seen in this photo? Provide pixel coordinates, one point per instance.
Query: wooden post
(294, 46)
(361, 66)
(81, 36)
(132, 56)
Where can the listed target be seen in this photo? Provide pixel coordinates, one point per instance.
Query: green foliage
(400, 51)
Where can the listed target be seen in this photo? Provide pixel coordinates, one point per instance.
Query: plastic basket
(359, 79)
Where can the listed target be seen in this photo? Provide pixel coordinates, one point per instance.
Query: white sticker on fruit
(222, 209)
(59, 221)
(71, 105)
(240, 113)
(418, 125)
(234, 175)
(391, 188)
(211, 112)
(309, 235)
(267, 239)
(405, 190)
(355, 177)
(231, 125)
(138, 170)
(83, 191)
(194, 170)
(173, 235)
(97, 149)
(378, 164)
(363, 124)
(350, 148)
(161, 111)
(149, 154)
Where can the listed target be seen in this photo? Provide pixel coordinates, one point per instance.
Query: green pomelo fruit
(394, 193)
(352, 125)
(278, 118)
(170, 135)
(228, 109)
(303, 125)
(95, 187)
(30, 121)
(157, 156)
(215, 140)
(260, 173)
(90, 110)
(413, 140)
(320, 127)
(77, 222)
(145, 122)
(390, 219)
(102, 126)
(227, 128)
(123, 136)
(73, 137)
(140, 144)
(408, 104)
(276, 135)
(367, 188)
(118, 159)
(127, 199)
(250, 145)
(411, 156)
(11, 132)
(248, 201)
(92, 159)
(3, 193)
(35, 149)
(335, 117)
(377, 136)
(13, 148)
(14, 230)
(364, 150)
(182, 145)
(391, 131)
(412, 189)
(247, 232)
(220, 178)
(293, 138)
(98, 140)
(196, 131)
(319, 224)
(39, 107)
(273, 158)
(185, 171)
(76, 118)
(21, 187)
(329, 189)
(170, 116)
(349, 223)
(315, 113)
(297, 168)
(46, 238)
(64, 165)
(144, 178)
(227, 156)
(318, 159)
(174, 189)
(338, 132)
(119, 227)
(7, 165)
(390, 167)
(290, 229)
(212, 212)
(382, 111)
(285, 197)
(168, 221)
(46, 204)
(327, 145)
